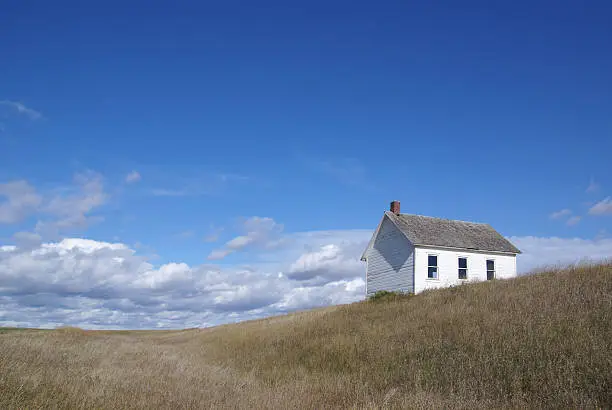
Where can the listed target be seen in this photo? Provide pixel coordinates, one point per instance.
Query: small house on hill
(411, 253)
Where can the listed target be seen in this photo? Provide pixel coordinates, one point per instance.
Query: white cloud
(566, 213)
(327, 264)
(21, 200)
(132, 177)
(89, 194)
(603, 207)
(87, 246)
(21, 109)
(96, 284)
(560, 214)
(239, 242)
(333, 293)
(543, 251)
(71, 208)
(261, 232)
(218, 254)
(68, 206)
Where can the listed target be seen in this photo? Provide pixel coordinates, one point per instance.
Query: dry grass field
(541, 341)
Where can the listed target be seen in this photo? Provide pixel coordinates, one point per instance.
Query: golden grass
(542, 341)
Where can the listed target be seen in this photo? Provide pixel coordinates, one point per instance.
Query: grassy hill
(538, 341)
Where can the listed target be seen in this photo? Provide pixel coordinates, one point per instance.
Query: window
(463, 268)
(490, 269)
(432, 266)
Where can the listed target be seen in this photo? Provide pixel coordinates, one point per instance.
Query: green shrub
(385, 295)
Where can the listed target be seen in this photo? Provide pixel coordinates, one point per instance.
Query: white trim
(414, 265)
(366, 281)
(466, 250)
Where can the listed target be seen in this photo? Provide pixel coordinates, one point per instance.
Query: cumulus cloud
(20, 200)
(603, 207)
(333, 293)
(20, 108)
(90, 283)
(329, 263)
(96, 284)
(259, 232)
(132, 177)
(574, 220)
(560, 214)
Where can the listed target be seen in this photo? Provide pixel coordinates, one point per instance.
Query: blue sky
(230, 136)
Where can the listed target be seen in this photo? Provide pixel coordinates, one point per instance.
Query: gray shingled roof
(425, 230)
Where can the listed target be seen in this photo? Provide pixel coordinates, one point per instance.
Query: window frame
(494, 268)
(459, 269)
(437, 266)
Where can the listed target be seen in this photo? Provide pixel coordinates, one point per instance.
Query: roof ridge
(444, 219)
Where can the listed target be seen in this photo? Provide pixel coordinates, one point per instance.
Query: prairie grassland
(540, 341)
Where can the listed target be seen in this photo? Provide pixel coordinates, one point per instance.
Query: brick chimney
(395, 207)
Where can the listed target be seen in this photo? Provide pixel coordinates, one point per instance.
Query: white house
(411, 253)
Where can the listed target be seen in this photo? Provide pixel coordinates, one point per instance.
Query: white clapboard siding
(390, 261)
(448, 269)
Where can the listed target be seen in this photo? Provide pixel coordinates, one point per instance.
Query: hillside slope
(538, 341)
